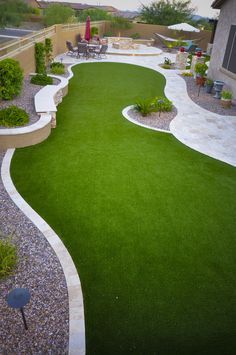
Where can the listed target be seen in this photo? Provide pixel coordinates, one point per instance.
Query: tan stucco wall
(146, 31)
(25, 139)
(226, 19)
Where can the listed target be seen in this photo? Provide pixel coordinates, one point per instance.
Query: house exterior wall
(226, 20)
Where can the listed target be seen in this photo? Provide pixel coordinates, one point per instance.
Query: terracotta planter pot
(226, 103)
(200, 80)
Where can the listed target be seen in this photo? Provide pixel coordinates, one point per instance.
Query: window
(229, 61)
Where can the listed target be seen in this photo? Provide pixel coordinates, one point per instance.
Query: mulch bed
(205, 100)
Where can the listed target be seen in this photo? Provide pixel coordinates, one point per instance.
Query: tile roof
(217, 4)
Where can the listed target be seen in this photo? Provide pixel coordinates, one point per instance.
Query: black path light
(18, 298)
(160, 103)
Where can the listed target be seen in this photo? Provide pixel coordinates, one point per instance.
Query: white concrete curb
(76, 307)
(127, 116)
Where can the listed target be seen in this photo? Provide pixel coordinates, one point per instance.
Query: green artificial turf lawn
(150, 223)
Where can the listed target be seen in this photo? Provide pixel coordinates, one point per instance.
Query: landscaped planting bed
(149, 222)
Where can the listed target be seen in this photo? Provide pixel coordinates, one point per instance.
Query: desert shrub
(57, 68)
(11, 79)
(40, 58)
(13, 116)
(162, 104)
(135, 35)
(187, 73)
(166, 66)
(94, 31)
(8, 257)
(144, 106)
(41, 79)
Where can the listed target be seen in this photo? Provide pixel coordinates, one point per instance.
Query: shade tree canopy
(167, 12)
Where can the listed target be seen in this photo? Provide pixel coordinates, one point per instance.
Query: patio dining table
(92, 47)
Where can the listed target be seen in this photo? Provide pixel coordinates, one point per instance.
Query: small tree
(13, 12)
(167, 12)
(120, 23)
(11, 78)
(40, 67)
(48, 50)
(57, 13)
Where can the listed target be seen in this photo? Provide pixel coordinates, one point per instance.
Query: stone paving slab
(196, 127)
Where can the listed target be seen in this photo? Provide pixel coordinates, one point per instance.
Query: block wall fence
(23, 49)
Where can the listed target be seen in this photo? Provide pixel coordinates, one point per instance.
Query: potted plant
(209, 86)
(200, 70)
(226, 99)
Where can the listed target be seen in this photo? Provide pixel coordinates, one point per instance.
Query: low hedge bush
(8, 257)
(162, 104)
(11, 78)
(41, 79)
(13, 116)
(57, 68)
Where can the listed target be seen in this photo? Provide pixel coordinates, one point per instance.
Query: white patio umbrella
(183, 27)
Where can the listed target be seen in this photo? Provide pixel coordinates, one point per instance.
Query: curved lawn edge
(127, 116)
(75, 296)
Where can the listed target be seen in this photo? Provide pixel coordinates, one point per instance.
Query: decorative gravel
(38, 270)
(153, 120)
(205, 100)
(25, 100)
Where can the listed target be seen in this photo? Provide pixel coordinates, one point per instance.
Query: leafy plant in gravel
(57, 68)
(13, 116)
(41, 79)
(11, 79)
(162, 104)
(144, 106)
(8, 256)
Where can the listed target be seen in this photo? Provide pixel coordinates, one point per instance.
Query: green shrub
(11, 79)
(135, 35)
(94, 31)
(41, 79)
(166, 66)
(8, 257)
(144, 106)
(227, 95)
(40, 58)
(57, 68)
(187, 73)
(162, 104)
(57, 64)
(48, 50)
(13, 116)
(200, 69)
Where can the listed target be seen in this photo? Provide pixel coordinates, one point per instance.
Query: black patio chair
(71, 50)
(101, 53)
(82, 50)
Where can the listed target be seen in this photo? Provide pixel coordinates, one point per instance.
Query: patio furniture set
(87, 50)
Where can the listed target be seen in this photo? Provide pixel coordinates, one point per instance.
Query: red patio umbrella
(87, 30)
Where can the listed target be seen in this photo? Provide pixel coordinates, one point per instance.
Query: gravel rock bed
(39, 270)
(153, 120)
(25, 100)
(205, 100)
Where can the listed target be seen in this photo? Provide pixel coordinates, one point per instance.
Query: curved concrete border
(45, 102)
(127, 116)
(76, 307)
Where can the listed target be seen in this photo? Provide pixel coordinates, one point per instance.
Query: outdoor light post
(160, 102)
(18, 298)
